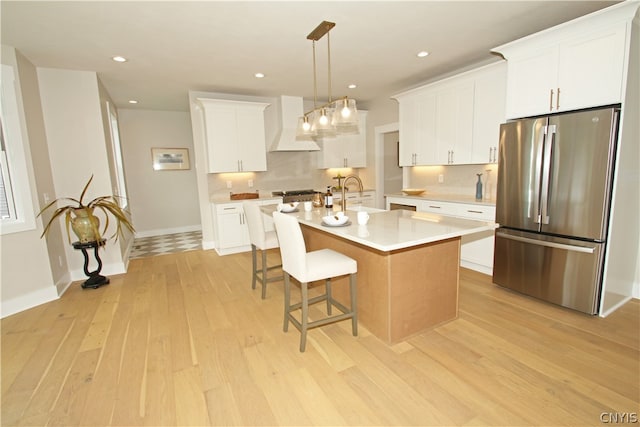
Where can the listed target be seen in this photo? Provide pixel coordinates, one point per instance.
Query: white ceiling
(217, 46)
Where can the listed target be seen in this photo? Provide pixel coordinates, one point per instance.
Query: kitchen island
(408, 266)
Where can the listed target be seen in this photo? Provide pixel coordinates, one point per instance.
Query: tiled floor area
(169, 243)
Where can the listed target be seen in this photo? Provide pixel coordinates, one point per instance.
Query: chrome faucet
(343, 202)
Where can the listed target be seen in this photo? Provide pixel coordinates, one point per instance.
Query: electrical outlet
(60, 261)
(229, 184)
(250, 182)
(441, 179)
(46, 198)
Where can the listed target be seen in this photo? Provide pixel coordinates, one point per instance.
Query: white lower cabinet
(231, 232)
(476, 250)
(230, 228)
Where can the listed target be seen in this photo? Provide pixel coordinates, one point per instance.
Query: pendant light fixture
(334, 117)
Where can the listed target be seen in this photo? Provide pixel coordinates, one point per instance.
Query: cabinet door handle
(551, 100)
(471, 211)
(558, 100)
(435, 207)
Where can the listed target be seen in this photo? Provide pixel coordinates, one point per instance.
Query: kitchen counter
(453, 198)
(389, 231)
(225, 198)
(408, 266)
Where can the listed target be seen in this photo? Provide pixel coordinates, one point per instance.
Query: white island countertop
(392, 230)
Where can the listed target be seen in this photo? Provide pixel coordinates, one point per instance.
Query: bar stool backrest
(292, 247)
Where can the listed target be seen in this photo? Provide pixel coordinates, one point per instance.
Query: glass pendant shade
(321, 125)
(334, 117)
(304, 131)
(345, 116)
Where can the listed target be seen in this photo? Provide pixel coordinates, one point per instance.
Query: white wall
(77, 147)
(161, 202)
(392, 172)
(25, 277)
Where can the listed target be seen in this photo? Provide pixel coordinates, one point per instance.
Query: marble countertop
(391, 230)
(454, 198)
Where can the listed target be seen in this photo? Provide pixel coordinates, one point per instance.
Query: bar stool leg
(287, 301)
(264, 273)
(254, 271)
(354, 319)
(329, 298)
(305, 316)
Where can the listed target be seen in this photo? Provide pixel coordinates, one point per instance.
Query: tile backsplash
(286, 171)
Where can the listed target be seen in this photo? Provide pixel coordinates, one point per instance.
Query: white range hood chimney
(290, 109)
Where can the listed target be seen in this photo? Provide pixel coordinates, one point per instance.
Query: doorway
(390, 177)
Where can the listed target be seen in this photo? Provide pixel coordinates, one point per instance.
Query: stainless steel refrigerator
(553, 194)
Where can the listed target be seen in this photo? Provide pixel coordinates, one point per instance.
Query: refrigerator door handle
(536, 195)
(546, 173)
(547, 244)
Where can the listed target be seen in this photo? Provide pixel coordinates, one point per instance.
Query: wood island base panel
(401, 292)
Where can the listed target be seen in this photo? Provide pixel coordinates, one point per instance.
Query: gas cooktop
(295, 195)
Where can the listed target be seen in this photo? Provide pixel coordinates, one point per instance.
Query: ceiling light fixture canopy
(336, 116)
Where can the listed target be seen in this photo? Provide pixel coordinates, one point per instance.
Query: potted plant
(82, 219)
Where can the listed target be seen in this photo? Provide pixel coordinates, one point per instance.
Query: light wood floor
(182, 339)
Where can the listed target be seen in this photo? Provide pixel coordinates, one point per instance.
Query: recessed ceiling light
(422, 54)
(352, 86)
(259, 75)
(133, 101)
(119, 59)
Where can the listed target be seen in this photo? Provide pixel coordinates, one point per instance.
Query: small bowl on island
(413, 191)
(287, 207)
(336, 219)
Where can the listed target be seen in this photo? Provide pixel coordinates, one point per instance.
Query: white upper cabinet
(578, 64)
(488, 112)
(455, 120)
(235, 135)
(454, 123)
(417, 112)
(345, 151)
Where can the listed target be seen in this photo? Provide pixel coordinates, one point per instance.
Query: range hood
(289, 110)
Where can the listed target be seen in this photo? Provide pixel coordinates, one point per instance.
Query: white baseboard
(30, 300)
(209, 244)
(63, 284)
(163, 231)
(476, 267)
(234, 250)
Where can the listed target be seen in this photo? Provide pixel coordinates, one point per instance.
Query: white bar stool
(263, 240)
(309, 267)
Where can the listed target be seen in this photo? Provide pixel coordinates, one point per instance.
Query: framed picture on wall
(170, 159)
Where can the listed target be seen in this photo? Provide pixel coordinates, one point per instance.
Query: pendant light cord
(315, 78)
(329, 63)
